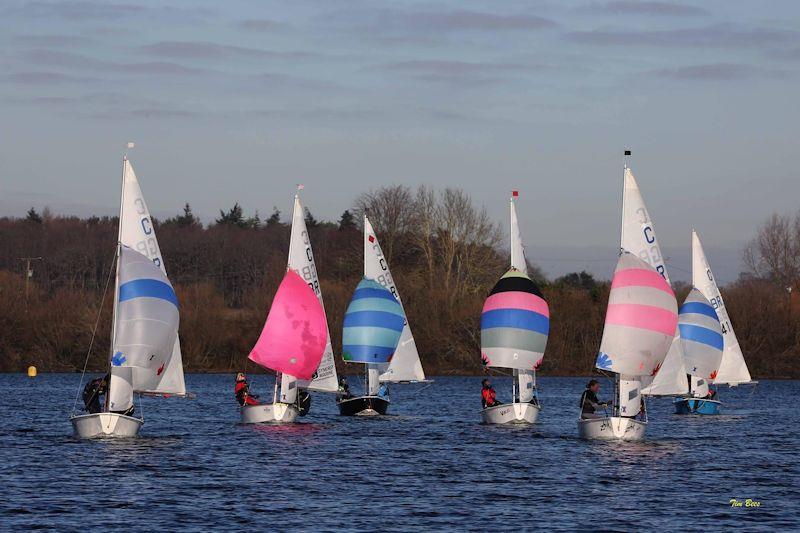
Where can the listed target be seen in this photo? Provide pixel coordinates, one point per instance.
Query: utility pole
(28, 275)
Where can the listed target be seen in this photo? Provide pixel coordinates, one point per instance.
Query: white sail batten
(405, 364)
(301, 260)
(733, 369)
(137, 232)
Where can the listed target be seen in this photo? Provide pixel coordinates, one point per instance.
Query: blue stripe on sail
(370, 336)
(147, 288)
(699, 308)
(373, 304)
(515, 318)
(366, 354)
(378, 319)
(370, 292)
(701, 335)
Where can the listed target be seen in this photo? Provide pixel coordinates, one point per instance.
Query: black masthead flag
(627, 152)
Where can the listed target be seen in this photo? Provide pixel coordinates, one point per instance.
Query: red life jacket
(489, 396)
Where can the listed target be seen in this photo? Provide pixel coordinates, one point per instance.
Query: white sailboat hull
(278, 413)
(511, 413)
(612, 428)
(105, 425)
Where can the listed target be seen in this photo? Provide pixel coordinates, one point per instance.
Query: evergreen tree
(347, 222)
(274, 219)
(33, 216)
(311, 222)
(234, 217)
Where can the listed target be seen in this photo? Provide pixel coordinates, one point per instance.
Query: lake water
(431, 465)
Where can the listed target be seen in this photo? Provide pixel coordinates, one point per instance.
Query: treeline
(445, 254)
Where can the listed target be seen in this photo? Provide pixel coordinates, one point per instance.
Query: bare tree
(391, 211)
(774, 253)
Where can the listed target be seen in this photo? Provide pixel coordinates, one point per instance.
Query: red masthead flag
(514, 193)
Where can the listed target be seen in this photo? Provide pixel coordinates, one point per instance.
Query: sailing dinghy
(731, 368)
(640, 324)
(640, 306)
(294, 342)
(701, 337)
(515, 323)
(377, 334)
(145, 356)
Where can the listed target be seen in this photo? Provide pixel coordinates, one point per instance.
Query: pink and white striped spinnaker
(640, 321)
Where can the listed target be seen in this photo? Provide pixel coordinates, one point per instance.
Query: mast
(116, 268)
(372, 375)
(625, 155)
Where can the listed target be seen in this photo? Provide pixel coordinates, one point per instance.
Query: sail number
(148, 246)
(384, 279)
(309, 272)
(652, 254)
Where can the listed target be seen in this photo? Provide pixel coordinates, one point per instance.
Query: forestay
(515, 323)
(301, 260)
(295, 333)
(641, 319)
(373, 323)
(732, 369)
(405, 364)
(146, 326)
(701, 336)
(137, 232)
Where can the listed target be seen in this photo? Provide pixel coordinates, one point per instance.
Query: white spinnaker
(146, 326)
(405, 364)
(137, 233)
(639, 238)
(733, 369)
(301, 260)
(517, 249)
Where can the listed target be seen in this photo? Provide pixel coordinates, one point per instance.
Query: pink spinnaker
(294, 336)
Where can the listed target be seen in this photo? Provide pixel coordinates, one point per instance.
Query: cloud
(380, 21)
(717, 35)
(719, 72)
(43, 77)
(209, 50)
(83, 10)
(445, 71)
(631, 7)
(51, 40)
(261, 25)
(62, 59)
(78, 10)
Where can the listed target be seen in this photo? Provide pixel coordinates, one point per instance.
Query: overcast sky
(239, 100)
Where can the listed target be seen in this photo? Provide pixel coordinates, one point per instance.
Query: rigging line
(94, 332)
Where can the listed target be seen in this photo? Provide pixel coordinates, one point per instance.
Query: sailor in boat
(589, 401)
(242, 391)
(383, 391)
(91, 394)
(343, 392)
(488, 395)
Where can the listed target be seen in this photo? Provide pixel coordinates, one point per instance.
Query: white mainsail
(733, 369)
(405, 364)
(301, 260)
(639, 238)
(146, 325)
(526, 378)
(136, 232)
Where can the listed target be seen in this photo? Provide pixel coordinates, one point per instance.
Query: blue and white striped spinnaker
(701, 336)
(373, 323)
